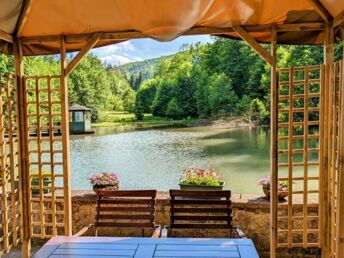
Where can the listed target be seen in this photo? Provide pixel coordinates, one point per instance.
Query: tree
(173, 110)
(139, 110)
(163, 96)
(222, 98)
(146, 93)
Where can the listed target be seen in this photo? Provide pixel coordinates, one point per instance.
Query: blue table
(137, 247)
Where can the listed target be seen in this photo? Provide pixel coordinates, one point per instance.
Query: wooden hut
(79, 119)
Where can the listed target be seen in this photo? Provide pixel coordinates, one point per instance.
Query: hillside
(146, 68)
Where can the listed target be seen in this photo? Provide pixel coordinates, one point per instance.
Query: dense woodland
(225, 78)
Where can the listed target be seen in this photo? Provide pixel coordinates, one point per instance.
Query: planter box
(202, 187)
(46, 183)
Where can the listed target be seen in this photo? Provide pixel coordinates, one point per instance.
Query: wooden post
(340, 183)
(22, 137)
(65, 140)
(325, 145)
(273, 150)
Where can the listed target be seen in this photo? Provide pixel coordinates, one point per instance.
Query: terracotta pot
(281, 196)
(96, 188)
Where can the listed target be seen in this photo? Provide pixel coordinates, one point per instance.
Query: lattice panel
(45, 155)
(9, 166)
(298, 173)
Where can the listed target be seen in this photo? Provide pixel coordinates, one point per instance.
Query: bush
(173, 110)
(258, 112)
(243, 106)
(139, 109)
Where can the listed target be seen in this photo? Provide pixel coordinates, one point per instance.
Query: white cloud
(117, 54)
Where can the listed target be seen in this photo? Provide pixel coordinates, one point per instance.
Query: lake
(154, 158)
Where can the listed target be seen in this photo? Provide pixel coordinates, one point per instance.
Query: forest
(220, 79)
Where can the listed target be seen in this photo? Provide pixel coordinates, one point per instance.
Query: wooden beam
(273, 146)
(90, 44)
(6, 37)
(125, 35)
(338, 20)
(23, 155)
(23, 17)
(321, 10)
(254, 44)
(65, 141)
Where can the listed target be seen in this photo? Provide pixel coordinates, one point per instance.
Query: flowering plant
(201, 176)
(104, 179)
(266, 181)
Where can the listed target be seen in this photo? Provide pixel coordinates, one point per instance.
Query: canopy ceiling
(159, 19)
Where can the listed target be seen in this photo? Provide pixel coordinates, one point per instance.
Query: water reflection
(153, 158)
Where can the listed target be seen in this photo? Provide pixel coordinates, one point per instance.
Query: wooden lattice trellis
(46, 163)
(10, 231)
(298, 172)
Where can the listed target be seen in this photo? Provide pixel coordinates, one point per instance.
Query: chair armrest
(83, 230)
(164, 232)
(157, 232)
(240, 233)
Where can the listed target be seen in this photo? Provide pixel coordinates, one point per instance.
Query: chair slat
(196, 209)
(201, 226)
(204, 218)
(125, 208)
(124, 216)
(112, 208)
(128, 225)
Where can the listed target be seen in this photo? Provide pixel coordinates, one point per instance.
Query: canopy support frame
(338, 20)
(321, 10)
(254, 44)
(23, 16)
(75, 61)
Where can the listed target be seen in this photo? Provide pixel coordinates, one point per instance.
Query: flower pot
(201, 187)
(96, 188)
(281, 196)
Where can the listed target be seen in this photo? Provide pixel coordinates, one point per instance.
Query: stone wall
(250, 213)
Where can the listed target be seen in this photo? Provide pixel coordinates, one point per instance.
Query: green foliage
(173, 110)
(222, 98)
(243, 106)
(139, 110)
(146, 94)
(258, 112)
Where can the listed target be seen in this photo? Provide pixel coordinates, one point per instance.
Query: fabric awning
(159, 19)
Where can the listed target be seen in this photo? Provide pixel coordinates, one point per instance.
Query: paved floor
(16, 252)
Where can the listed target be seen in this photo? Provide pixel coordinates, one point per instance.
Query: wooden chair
(129, 208)
(201, 210)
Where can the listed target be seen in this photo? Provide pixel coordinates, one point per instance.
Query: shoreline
(219, 123)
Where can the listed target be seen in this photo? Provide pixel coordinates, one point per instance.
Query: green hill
(146, 68)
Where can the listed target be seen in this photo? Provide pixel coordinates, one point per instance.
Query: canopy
(163, 20)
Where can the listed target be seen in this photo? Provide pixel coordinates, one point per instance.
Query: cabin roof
(77, 107)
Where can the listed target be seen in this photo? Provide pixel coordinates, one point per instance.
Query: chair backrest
(200, 209)
(129, 208)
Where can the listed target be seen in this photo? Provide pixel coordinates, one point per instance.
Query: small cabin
(79, 119)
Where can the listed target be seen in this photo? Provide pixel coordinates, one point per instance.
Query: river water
(154, 158)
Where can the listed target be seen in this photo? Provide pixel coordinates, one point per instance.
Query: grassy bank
(112, 118)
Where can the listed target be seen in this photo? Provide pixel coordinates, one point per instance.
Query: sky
(142, 49)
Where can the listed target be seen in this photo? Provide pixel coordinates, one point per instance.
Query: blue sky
(142, 49)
